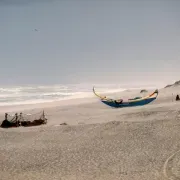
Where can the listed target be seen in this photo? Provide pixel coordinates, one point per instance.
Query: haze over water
(123, 43)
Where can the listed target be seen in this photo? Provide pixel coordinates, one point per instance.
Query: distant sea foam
(18, 95)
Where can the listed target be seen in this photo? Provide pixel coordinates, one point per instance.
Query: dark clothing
(177, 98)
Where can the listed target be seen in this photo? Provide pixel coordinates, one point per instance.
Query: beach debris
(64, 123)
(23, 120)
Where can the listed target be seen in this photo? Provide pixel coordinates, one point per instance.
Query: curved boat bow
(130, 103)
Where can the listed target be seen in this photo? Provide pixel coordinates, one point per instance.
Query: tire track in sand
(170, 165)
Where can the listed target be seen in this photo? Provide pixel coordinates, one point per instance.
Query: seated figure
(119, 101)
(177, 98)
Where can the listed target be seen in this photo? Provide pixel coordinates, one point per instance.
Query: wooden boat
(119, 103)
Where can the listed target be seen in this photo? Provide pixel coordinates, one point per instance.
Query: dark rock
(143, 91)
(63, 123)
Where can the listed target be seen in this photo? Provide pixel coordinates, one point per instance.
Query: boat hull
(128, 104)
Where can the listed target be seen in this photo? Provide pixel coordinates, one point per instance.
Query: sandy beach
(99, 143)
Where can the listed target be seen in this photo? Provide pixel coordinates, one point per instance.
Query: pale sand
(139, 143)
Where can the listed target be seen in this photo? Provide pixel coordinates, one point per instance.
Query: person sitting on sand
(177, 97)
(119, 101)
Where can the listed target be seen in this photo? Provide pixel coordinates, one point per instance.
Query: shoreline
(61, 103)
(125, 94)
(97, 143)
(70, 101)
(43, 101)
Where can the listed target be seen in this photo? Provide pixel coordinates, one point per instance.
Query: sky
(83, 41)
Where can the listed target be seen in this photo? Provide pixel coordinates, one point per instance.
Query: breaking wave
(38, 94)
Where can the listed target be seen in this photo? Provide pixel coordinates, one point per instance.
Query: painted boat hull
(129, 104)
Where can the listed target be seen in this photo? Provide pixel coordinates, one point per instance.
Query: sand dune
(140, 143)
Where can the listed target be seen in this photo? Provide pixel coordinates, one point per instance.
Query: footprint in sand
(171, 168)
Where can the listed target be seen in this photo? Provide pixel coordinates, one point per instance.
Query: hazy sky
(121, 41)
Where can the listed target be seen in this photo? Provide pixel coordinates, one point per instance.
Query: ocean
(32, 94)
